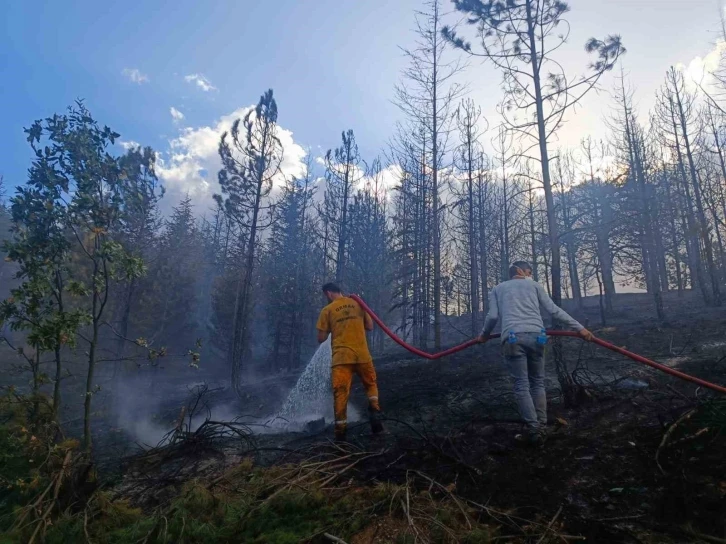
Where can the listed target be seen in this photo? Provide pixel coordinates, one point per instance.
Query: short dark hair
(524, 266)
(331, 288)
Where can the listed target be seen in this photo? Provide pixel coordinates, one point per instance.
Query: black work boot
(533, 439)
(341, 433)
(374, 416)
(537, 438)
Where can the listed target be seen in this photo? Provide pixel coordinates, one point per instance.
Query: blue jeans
(526, 363)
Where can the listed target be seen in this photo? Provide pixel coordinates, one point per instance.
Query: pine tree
(289, 275)
(344, 170)
(369, 261)
(176, 272)
(251, 160)
(138, 228)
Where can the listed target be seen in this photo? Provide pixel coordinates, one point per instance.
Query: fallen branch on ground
(668, 433)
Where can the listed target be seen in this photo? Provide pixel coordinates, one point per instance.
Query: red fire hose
(598, 341)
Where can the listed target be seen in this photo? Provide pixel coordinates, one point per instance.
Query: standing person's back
(516, 304)
(347, 323)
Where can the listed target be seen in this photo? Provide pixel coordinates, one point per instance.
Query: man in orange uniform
(348, 323)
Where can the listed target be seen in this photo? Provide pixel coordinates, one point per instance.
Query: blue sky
(332, 64)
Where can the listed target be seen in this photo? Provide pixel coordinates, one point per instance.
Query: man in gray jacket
(516, 304)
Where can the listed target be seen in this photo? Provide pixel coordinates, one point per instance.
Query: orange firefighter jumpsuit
(346, 321)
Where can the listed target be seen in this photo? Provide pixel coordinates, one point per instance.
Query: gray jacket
(516, 304)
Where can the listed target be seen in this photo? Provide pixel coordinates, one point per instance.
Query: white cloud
(699, 69)
(391, 176)
(135, 75)
(388, 176)
(200, 81)
(387, 179)
(129, 144)
(176, 114)
(192, 163)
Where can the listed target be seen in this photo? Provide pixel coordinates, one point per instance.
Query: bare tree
(601, 214)
(412, 235)
(483, 191)
(467, 160)
(630, 142)
(507, 160)
(678, 117)
(519, 37)
(565, 173)
(427, 98)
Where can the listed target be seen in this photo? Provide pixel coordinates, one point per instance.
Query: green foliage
(256, 505)
(28, 451)
(70, 221)
(72, 195)
(76, 197)
(40, 249)
(201, 517)
(123, 265)
(139, 219)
